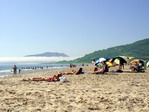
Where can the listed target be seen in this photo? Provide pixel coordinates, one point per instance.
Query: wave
(3, 71)
(6, 69)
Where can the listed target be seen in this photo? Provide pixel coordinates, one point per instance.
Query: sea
(6, 68)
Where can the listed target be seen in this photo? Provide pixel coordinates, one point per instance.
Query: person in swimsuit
(80, 71)
(49, 79)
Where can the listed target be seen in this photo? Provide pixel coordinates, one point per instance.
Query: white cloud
(35, 59)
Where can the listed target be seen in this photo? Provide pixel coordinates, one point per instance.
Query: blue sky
(73, 27)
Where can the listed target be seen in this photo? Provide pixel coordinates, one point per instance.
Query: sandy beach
(112, 92)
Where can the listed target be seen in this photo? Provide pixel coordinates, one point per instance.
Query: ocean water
(6, 68)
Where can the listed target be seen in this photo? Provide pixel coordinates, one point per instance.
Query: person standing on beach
(14, 69)
(121, 64)
(19, 70)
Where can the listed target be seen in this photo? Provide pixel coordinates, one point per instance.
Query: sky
(73, 27)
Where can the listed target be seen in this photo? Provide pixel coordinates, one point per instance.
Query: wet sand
(112, 92)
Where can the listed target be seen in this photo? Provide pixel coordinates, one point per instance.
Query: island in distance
(48, 54)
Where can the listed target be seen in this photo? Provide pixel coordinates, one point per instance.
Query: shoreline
(114, 92)
(30, 68)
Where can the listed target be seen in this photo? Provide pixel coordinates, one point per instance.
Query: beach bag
(63, 79)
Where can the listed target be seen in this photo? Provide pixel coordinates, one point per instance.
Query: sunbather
(80, 71)
(49, 79)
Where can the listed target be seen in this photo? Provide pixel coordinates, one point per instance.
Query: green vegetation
(139, 49)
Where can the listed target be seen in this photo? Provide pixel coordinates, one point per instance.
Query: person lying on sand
(49, 79)
(69, 73)
(137, 67)
(80, 71)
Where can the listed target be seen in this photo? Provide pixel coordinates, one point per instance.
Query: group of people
(100, 68)
(15, 69)
(57, 77)
(137, 66)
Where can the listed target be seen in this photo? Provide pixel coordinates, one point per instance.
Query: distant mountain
(48, 54)
(138, 49)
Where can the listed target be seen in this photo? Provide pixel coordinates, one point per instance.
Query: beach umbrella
(103, 59)
(134, 61)
(109, 63)
(147, 64)
(117, 59)
(94, 60)
(127, 58)
(131, 58)
(99, 60)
